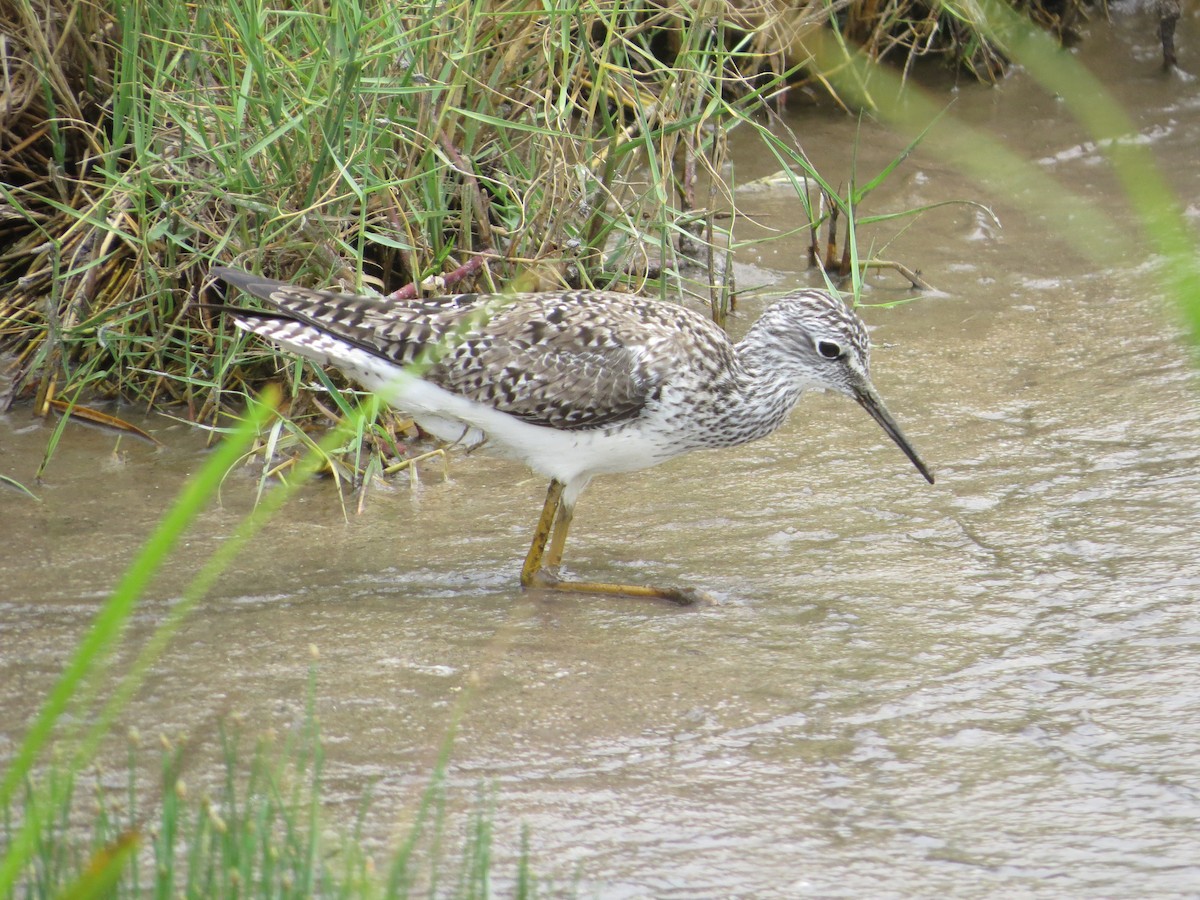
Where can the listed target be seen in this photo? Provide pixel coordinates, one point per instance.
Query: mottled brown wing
(562, 360)
(570, 360)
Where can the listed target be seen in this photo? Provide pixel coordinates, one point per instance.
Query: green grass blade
(101, 638)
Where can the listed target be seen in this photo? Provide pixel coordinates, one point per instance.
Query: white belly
(565, 455)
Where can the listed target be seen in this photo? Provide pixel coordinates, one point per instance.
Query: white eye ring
(829, 349)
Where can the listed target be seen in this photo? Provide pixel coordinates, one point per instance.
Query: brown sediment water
(986, 687)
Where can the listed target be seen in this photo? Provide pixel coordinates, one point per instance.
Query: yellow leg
(681, 596)
(558, 540)
(533, 560)
(540, 563)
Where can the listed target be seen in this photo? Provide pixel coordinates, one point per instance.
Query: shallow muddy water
(987, 687)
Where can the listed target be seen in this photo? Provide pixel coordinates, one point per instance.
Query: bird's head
(823, 343)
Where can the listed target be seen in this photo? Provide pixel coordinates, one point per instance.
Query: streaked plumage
(575, 383)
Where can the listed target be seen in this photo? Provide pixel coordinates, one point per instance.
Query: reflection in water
(986, 687)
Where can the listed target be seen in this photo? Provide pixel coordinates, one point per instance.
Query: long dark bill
(869, 400)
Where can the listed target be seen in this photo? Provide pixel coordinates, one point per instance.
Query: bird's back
(571, 360)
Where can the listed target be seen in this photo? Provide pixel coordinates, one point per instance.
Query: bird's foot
(549, 579)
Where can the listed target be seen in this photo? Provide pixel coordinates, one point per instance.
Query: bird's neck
(760, 394)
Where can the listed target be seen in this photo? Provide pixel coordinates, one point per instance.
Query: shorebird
(576, 383)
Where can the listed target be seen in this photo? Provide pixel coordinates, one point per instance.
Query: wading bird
(576, 383)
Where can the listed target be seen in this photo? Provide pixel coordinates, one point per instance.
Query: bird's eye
(829, 349)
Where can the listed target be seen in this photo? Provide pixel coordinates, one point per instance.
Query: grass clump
(256, 828)
(471, 144)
